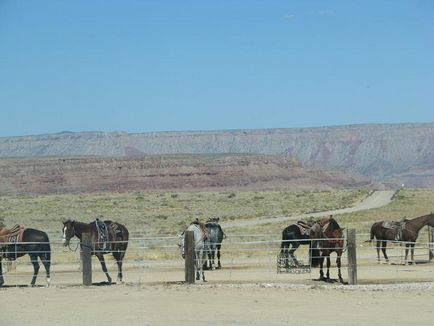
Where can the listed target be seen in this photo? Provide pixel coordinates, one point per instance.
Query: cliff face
(166, 173)
(377, 151)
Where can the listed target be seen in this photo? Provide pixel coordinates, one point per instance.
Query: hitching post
(352, 258)
(189, 256)
(86, 259)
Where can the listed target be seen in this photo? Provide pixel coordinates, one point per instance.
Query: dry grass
(156, 214)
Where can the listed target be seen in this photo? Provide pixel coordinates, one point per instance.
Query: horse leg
(328, 267)
(46, 261)
(294, 247)
(412, 253)
(103, 266)
(118, 256)
(383, 249)
(338, 263)
(406, 253)
(2, 281)
(218, 257)
(203, 273)
(35, 263)
(321, 272)
(213, 251)
(378, 251)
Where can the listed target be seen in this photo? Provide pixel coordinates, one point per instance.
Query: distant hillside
(385, 152)
(166, 173)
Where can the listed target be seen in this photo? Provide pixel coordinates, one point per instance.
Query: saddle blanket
(103, 235)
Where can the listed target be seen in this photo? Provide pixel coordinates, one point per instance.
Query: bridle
(69, 237)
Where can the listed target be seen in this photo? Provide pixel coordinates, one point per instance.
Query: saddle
(11, 236)
(396, 227)
(304, 227)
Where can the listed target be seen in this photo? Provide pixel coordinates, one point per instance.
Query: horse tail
(372, 233)
(284, 244)
(46, 252)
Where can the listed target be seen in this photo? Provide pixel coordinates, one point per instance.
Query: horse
(116, 243)
(215, 238)
(293, 237)
(200, 247)
(408, 234)
(332, 241)
(30, 241)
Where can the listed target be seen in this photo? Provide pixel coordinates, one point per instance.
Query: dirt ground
(212, 304)
(235, 295)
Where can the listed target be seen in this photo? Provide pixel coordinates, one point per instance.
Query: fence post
(86, 259)
(352, 257)
(189, 256)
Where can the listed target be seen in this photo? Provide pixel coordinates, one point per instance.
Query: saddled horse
(200, 236)
(116, 243)
(408, 234)
(215, 239)
(332, 241)
(293, 237)
(25, 241)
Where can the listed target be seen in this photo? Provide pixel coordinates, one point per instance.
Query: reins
(79, 243)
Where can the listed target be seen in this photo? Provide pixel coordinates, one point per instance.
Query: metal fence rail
(244, 257)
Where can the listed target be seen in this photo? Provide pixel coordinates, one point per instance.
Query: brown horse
(292, 238)
(333, 241)
(29, 241)
(409, 233)
(116, 243)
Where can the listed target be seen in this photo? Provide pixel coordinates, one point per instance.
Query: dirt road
(375, 200)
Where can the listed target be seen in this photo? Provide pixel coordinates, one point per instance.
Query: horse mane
(333, 225)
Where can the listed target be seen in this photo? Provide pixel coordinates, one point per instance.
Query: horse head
(68, 231)
(431, 219)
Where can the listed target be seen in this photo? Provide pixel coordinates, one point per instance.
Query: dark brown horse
(292, 238)
(333, 241)
(116, 243)
(33, 242)
(408, 234)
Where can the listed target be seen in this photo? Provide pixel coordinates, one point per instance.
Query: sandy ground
(242, 294)
(213, 304)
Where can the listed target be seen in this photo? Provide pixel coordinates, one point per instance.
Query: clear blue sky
(156, 65)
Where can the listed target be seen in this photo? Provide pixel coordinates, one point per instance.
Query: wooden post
(189, 256)
(86, 259)
(352, 257)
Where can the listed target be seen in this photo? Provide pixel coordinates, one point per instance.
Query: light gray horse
(199, 248)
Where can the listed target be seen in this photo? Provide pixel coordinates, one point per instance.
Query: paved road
(375, 200)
